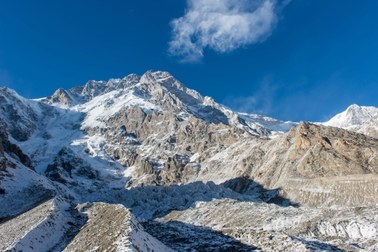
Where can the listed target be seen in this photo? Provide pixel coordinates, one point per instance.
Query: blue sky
(293, 60)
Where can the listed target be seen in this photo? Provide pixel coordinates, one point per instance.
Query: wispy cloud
(221, 25)
(260, 102)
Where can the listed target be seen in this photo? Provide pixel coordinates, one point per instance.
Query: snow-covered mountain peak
(62, 97)
(152, 91)
(362, 119)
(354, 107)
(354, 115)
(153, 84)
(166, 81)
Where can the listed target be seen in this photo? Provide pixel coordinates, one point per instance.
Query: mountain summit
(157, 91)
(360, 119)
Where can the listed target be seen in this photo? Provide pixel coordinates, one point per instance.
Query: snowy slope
(23, 189)
(40, 229)
(33, 216)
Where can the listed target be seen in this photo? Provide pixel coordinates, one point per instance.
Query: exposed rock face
(326, 166)
(62, 97)
(165, 152)
(16, 113)
(317, 151)
(66, 165)
(11, 149)
(313, 165)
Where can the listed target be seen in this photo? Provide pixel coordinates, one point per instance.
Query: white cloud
(221, 25)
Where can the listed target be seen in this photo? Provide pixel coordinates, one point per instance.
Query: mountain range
(144, 163)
